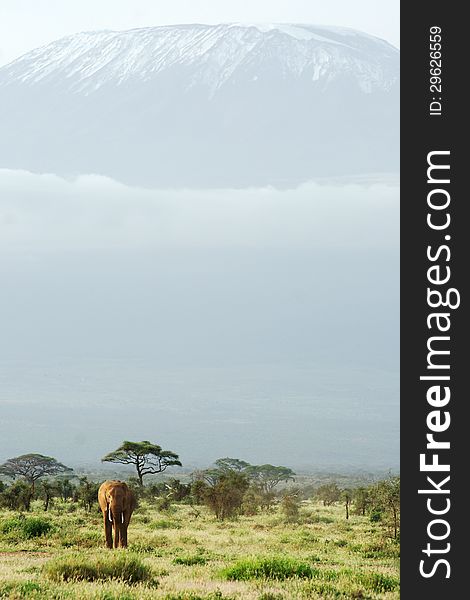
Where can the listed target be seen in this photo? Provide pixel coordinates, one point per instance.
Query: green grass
(165, 524)
(192, 596)
(121, 566)
(268, 568)
(60, 555)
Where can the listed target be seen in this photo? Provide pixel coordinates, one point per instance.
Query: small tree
(329, 493)
(251, 502)
(385, 499)
(16, 496)
(66, 488)
(290, 506)
(177, 491)
(225, 498)
(47, 491)
(361, 498)
(146, 457)
(87, 493)
(198, 491)
(346, 496)
(31, 467)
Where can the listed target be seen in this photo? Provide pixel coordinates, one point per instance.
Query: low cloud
(47, 213)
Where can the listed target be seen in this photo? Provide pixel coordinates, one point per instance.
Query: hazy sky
(26, 24)
(258, 323)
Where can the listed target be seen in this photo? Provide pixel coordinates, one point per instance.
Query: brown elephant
(117, 502)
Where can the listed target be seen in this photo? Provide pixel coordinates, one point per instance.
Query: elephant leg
(124, 535)
(125, 525)
(108, 531)
(117, 530)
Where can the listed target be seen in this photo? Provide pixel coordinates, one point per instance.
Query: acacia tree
(32, 467)
(231, 464)
(146, 457)
(269, 476)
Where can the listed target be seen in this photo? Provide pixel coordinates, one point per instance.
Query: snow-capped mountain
(223, 104)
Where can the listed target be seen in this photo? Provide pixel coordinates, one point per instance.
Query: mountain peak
(89, 60)
(228, 104)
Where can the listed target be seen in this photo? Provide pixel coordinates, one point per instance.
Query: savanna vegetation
(234, 531)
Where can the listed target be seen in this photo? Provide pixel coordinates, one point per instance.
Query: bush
(165, 524)
(189, 561)
(17, 496)
(24, 589)
(375, 516)
(268, 568)
(164, 504)
(9, 525)
(27, 528)
(290, 506)
(225, 497)
(35, 527)
(124, 567)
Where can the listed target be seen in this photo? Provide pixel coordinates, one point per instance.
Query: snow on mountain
(93, 59)
(226, 83)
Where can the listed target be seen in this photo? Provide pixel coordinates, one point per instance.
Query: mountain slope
(204, 105)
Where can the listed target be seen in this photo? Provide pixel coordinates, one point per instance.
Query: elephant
(117, 502)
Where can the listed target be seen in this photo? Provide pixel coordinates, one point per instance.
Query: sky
(27, 24)
(257, 323)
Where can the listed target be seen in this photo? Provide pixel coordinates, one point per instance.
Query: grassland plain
(185, 554)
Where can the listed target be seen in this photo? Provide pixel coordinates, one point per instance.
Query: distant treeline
(229, 488)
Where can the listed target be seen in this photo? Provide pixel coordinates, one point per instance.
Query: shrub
(35, 527)
(290, 506)
(81, 539)
(165, 524)
(164, 504)
(320, 519)
(9, 525)
(17, 496)
(24, 589)
(225, 497)
(27, 528)
(375, 516)
(124, 567)
(189, 561)
(268, 568)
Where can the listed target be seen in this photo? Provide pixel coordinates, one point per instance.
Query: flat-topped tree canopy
(32, 467)
(148, 458)
(269, 476)
(231, 464)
